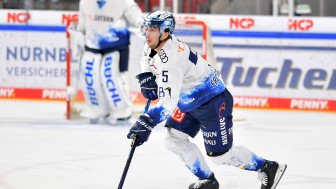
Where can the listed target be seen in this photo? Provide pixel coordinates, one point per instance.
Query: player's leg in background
(116, 91)
(215, 117)
(92, 86)
(218, 140)
(123, 69)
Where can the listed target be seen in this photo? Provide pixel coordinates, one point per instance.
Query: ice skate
(271, 174)
(209, 183)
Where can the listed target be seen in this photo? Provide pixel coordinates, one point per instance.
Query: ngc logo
(300, 24)
(18, 17)
(241, 23)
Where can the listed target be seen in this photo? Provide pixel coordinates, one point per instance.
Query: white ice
(39, 149)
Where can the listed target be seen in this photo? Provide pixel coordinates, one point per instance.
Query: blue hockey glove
(148, 85)
(141, 130)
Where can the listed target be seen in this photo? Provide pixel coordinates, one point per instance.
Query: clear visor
(149, 24)
(143, 29)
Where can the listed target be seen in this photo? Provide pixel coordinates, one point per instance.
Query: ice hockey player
(104, 64)
(181, 78)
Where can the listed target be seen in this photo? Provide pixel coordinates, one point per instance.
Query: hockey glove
(148, 85)
(141, 130)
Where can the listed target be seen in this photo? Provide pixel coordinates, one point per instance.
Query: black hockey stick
(130, 156)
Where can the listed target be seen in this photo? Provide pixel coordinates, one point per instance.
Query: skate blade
(281, 170)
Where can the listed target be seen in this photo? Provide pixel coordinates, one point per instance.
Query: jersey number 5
(165, 76)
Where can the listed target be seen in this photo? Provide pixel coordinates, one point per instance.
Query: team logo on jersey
(181, 47)
(101, 3)
(163, 56)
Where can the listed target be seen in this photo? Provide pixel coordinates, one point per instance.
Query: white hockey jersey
(105, 22)
(184, 78)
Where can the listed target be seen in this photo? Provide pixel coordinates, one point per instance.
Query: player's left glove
(148, 85)
(141, 129)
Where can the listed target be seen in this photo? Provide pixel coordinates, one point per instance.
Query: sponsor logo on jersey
(222, 125)
(210, 134)
(163, 56)
(210, 142)
(207, 138)
(103, 18)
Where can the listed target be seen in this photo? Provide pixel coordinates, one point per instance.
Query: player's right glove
(141, 130)
(148, 85)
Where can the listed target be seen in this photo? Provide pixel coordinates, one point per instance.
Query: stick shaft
(130, 156)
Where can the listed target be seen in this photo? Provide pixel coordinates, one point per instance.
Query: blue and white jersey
(184, 78)
(105, 23)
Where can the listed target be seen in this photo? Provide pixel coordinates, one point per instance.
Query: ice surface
(39, 149)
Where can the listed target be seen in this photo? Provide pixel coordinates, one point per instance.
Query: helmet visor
(150, 24)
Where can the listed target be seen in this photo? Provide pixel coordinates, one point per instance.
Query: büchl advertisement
(266, 62)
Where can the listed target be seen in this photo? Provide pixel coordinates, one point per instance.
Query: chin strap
(159, 43)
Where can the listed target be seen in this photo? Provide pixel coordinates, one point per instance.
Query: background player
(184, 79)
(104, 64)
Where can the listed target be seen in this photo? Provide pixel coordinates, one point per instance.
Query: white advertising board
(267, 62)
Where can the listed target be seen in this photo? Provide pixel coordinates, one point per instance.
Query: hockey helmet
(160, 19)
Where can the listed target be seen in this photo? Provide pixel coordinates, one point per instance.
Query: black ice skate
(209, 183)
(271, 174)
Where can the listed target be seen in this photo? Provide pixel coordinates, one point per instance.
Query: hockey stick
(130, 156)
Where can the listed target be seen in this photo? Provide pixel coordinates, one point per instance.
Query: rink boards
(266, 62)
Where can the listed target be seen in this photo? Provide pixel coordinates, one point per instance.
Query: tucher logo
(163, 56)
